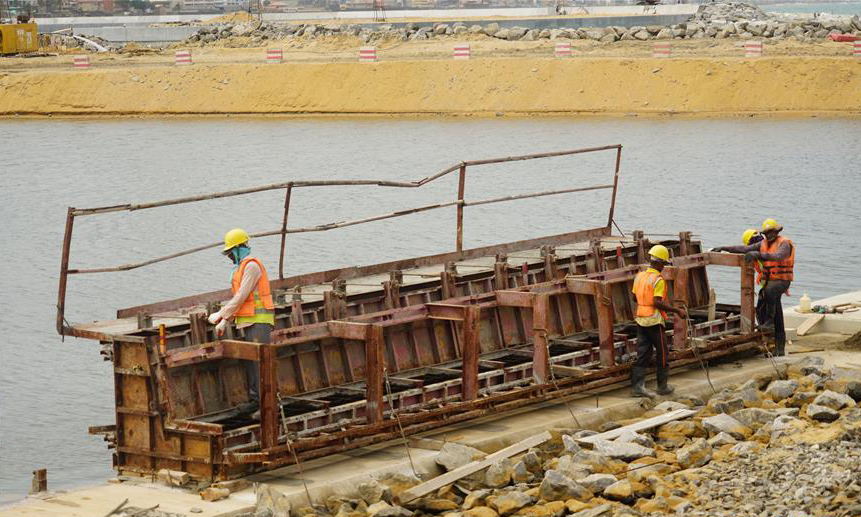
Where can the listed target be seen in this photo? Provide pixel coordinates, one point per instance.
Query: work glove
(214, 318)
(750, 256)
(221, 327)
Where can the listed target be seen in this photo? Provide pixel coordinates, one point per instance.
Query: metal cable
(620, 230)
(398, 420)
(555, 385)
(689, 339)
(292, 450)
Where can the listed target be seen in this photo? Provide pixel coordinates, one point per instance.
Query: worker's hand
(221, 327)
(750, 256)
(214, 318)
(681, 312)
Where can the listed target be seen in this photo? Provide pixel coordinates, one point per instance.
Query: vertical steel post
(604, 305)
(471, 351)
(748, 315)
(461, 186)
(540, 352)
(39, 483)
(374, 364)
(269, 412)
(64, 271)
(615, 187)
(680, 294)
(284, 230)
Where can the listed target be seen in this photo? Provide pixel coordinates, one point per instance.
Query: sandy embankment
(516, 85)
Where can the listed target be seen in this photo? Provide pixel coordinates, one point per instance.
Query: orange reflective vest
(758, 267)
(778, 269)
(258, 307)
(644, 290)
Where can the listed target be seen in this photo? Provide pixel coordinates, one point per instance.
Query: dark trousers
(647, 339)
(772, 310)
(256, 333)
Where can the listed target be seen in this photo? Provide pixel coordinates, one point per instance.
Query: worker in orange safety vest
(251, 308)
(776, 256)
(650, 289)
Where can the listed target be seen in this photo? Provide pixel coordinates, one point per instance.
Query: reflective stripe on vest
(644, 290)
(778, 269)
(258, 307)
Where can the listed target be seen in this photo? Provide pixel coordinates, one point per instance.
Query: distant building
(214, 5)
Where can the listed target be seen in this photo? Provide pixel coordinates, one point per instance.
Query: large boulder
(499, 474)
(822, 413)
(491, 29)
(727, 424)
(573, 469)
(628, 436)
(834, 400)
(722, 439)
(502, 34)
(595, 460)
(622, 451)
(755, 417)
(453, 455)
(779, 390)
(272, 501)
(597, 482)
(510, 502)
(373, 491)
(694, 455)
(664, 34)
(622, 490)
(556, 486)
(800, 398)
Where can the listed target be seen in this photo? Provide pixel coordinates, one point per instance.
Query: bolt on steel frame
(451, 345)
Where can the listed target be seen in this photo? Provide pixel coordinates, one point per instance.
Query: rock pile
(714, 20)
(769, 447)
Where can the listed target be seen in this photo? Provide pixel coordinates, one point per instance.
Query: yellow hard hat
(770, 224)
(234, 238)
(660, 252)
(748, 235)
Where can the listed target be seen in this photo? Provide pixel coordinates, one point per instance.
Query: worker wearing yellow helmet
(650, 288)
(251, 308)
(775, 256)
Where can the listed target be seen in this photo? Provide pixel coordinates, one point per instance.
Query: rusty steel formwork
(430, 340)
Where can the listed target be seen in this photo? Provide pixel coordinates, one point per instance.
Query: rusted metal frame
(615, 186)
(471, 352)
(604, 306)
(359, 436)
(331, 226)
(748, 306)
(224, 349)
(461, 186)
(543, 155)
(62, 328)
(324, 277)
(268, 390)
(446, 311)
(540, 347)
(681, 298)
(153, 454)
(193, 427)
(287, 196)
(374, 366)
(588, 380)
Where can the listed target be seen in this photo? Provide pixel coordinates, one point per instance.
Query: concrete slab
(847, 323)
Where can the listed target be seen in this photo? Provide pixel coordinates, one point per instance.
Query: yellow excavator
(20, 37)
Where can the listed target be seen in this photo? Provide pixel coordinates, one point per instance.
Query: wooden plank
(568, 371)
(648, 423)
(809, 323)
(460, 472)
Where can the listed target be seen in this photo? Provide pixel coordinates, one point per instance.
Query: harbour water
(713, 177)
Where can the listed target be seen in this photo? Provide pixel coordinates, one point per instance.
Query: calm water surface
(715, 178)
(840, 8)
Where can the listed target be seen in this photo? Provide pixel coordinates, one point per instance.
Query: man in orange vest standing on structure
(776, 256)
(650, 288)
(251, 306)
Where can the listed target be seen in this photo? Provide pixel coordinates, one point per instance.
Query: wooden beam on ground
(648, 423)
(461, 472)
(809, 323)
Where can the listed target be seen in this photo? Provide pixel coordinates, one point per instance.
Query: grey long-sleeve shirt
(782, 252)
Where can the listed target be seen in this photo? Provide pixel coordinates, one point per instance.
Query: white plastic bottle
(804, 305)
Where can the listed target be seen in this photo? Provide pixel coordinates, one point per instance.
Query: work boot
(779, 350)
(663, 375)
(638, 383)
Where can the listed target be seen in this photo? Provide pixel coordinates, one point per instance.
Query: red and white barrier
(856, 48)
(662, 49)
(461, 51)
(562, 49)
(753, 49)
(368, 54)
(183, 57)
(81, 62)
(274, 55)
